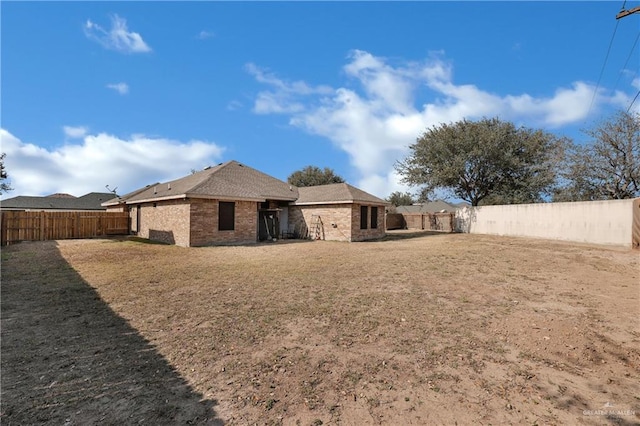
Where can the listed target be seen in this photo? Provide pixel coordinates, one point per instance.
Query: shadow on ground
(69, 359)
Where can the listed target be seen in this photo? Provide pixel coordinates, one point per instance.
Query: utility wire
(624, 67)
(603, 66)
(633, 101)
(625, 64)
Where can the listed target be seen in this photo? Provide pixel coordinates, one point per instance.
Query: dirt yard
(415, 329)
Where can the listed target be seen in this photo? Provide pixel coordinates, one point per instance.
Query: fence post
(3, 229)
(43, 220)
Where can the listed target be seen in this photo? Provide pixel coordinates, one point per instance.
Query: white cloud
(275, 103)
(203, 35)
(99, 160)
(234, 105)
(118, 38)
(122, 88)
(281, 99)
(375, 122)
(75, 132)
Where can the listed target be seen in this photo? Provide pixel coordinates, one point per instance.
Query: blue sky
(129, 93)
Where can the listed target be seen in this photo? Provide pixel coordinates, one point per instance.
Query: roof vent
(207, 168)
(155, 189)
(168, 186)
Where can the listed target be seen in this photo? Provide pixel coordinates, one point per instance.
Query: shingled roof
(226, 181)
(336, 193)
(90, 201)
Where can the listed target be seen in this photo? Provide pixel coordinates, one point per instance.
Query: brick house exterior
(235, 204)
(339, 207)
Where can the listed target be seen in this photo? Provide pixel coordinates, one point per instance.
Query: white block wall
(597, 222)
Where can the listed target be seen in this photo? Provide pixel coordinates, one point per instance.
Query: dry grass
(414, 329)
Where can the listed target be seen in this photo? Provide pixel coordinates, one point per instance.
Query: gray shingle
(90, 201)
(230, 180)
(335, 193)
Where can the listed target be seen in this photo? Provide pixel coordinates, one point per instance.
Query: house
(235, 204)
(58, 202)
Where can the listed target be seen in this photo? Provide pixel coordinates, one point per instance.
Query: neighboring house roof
(428, 207)
(226, 181)
(90, 201)
(61, 195)
(335, 193)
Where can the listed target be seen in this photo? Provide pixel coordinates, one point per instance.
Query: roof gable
(230, 180)
(335, 193)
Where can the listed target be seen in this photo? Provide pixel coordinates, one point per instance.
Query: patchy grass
(416, 328)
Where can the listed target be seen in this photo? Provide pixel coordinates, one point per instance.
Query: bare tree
(608, 166)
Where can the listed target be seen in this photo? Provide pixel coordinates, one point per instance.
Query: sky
(125, 94)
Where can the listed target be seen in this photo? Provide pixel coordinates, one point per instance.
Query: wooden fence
(37, 226)
(424, 221)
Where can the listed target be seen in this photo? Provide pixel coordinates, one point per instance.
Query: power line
(633, 101)
(622, 14)
(606, 58)
(627, 61)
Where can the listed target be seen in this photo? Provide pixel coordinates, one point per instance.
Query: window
(364, 218)
(374, 217)
(226, 216)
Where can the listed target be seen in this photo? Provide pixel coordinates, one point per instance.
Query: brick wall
(204, 223)
(358, 234)
(335, 214)
(341, 222)
(194, 222)
(167, 222)
(133, 218)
